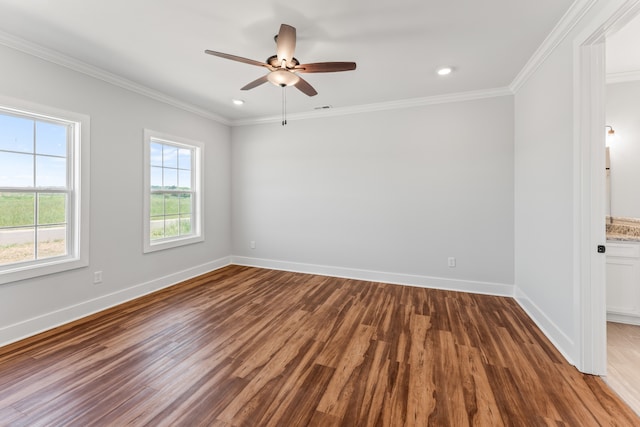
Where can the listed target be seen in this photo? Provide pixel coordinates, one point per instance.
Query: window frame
(197, 190)
(78, 184)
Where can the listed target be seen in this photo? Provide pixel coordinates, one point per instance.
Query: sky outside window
(26, 144)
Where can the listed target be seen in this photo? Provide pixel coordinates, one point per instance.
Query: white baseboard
(623, 318)
(36, 325)
(559, 339)
(475, 287)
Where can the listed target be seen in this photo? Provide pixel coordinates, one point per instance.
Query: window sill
(171, 243)
(45, 268)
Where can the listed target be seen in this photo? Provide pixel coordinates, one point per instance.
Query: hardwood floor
(623, 362)
(251, 347)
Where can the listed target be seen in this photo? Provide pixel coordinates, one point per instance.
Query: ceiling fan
(284, 67)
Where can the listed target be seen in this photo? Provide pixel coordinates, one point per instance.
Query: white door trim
(589, 146)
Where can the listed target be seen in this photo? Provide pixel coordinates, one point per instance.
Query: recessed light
(444, 71)
(238, 102)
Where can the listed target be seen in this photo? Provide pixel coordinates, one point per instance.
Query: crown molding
(381, 106)
(58, 58)
(623, 77)
(562, 29)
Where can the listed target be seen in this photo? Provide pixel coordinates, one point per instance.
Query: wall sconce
(610, 134)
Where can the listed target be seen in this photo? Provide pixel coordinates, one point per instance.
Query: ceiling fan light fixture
(283, 77)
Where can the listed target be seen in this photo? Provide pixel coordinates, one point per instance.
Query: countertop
(623, 229)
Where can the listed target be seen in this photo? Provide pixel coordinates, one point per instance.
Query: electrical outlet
(252, 244)
(451, 262)
(97, 277)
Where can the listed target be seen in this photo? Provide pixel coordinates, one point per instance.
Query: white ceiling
(397, 44)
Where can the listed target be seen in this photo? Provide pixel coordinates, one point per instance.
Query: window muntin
(174, 199)
(40, 190)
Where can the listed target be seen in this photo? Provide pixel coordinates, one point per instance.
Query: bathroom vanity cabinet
(623, 282)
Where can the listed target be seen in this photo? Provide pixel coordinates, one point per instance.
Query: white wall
(394, 192)
(623, 113)
(118, 118)
(544, 173)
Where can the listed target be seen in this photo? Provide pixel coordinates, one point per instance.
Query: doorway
(622, 107)
(591, 208)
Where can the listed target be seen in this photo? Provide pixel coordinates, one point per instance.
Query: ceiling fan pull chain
(284, 105)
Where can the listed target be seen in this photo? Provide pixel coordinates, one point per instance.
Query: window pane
(16, 134)
(169, 156)
(170, 181)
(157, 205)
(156, 177)
(185, 225)
(171, 226)
(16, 245)
(155, 154)
(17, 209)
(185, 204)
(156, 227)
(16, 170)
(171, 204)
(52, 241)
(52, 208)
(51, 172)
(184, 159)
(184, 180)
(51, 139)
(173, 170)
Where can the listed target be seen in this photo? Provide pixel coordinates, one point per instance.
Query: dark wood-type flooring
(252, 347)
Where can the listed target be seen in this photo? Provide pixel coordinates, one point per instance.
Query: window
(41, 204)
(173, 200)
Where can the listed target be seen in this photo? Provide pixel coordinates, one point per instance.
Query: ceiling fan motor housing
(273, 61)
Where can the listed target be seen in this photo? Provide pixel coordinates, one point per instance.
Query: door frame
(590, 188)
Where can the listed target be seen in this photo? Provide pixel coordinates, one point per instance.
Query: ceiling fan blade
(238, 58)
(256, 82)
(286, 44)
(305, 87)
(325, 67)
